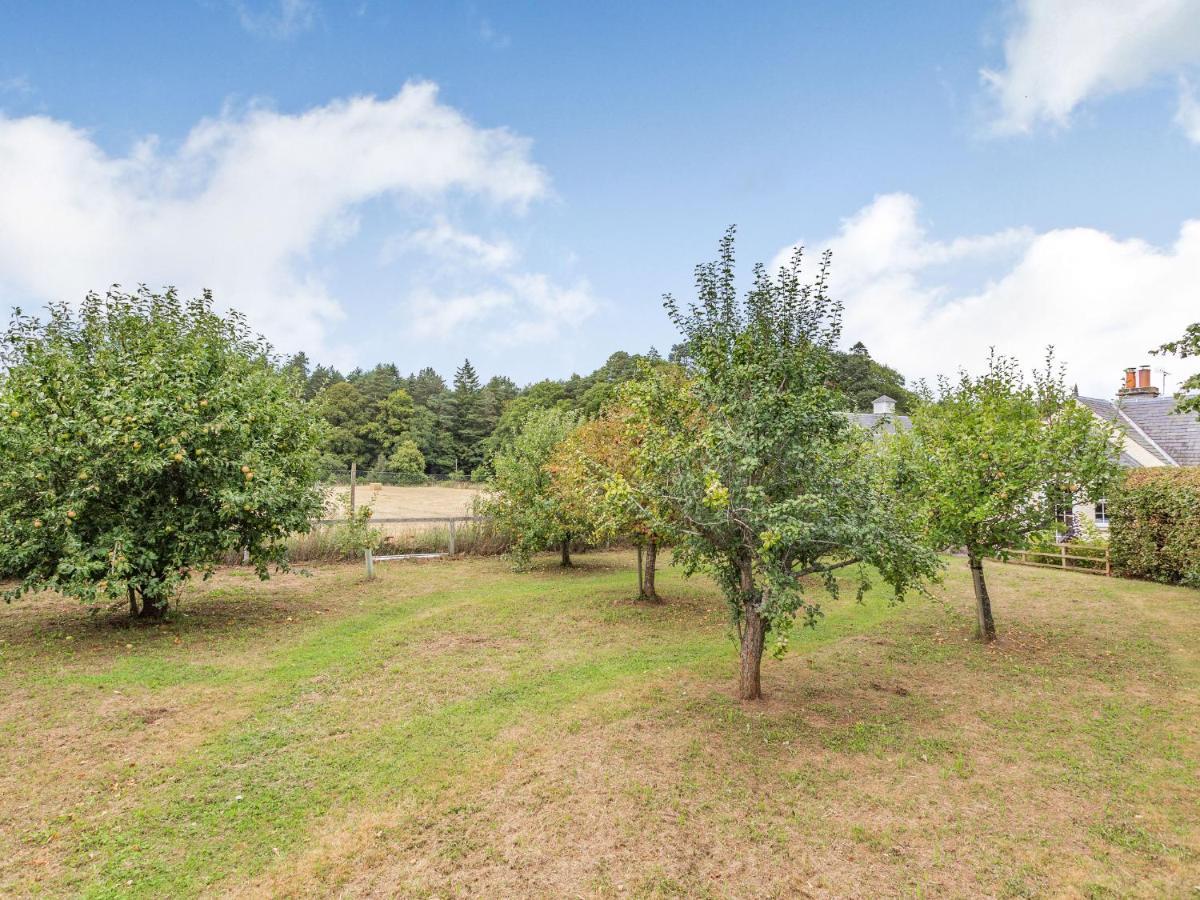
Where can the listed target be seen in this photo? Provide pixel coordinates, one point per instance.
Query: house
(882, 417)
(1154, 434)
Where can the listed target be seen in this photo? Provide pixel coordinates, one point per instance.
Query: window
(1064, 510)
(1102, 513)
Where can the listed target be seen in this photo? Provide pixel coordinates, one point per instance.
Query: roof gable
(1153, 424)
(1178, 434)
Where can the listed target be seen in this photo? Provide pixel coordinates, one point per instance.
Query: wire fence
(332, 540)
(345, 477)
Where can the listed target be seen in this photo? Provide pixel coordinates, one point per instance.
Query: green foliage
(862, 379)
(991, 456)
(1154, 525)
(321, 378)
(540, 396)
(749, 461)
(459, 430)
(523, 502)
(369, 415)
(596, 470)
(345, 409)
(145, 437)
(469, 425)
(407, 462)
(355, 534)
(1186, 346)
(392, 421)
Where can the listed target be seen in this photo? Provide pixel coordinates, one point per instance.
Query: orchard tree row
(146, 437)
(740, 456)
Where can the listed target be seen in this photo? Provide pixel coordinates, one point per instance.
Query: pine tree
(468, 425)
(425, 385)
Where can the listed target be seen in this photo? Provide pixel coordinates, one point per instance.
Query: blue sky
(419, 182)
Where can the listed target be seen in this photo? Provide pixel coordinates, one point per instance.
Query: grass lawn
(453, 729)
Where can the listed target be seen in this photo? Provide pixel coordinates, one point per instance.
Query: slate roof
(888, 423)
(1153, 425)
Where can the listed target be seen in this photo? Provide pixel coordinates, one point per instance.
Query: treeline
(409, 427)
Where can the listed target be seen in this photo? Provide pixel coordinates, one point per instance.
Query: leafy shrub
(1154, 525)
(354, 535)
(524, 503)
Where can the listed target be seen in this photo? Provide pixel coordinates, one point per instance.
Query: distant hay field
(407, 501)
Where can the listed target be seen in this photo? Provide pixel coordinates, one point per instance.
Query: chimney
(884, 406)
(1137, 384)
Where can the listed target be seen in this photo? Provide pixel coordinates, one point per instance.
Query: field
(415, 501)
(453, 729)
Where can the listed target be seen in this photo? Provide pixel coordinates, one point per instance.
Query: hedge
(1154, 525)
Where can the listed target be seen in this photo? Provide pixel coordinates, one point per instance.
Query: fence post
(1107, 563)
(370, 563)
(452, 536)
(1063, 549)
(353, 479)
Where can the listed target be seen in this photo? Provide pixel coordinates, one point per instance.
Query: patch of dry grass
(411, 501)
(453, 729)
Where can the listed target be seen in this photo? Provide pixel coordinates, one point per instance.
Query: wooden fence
(1093, 560)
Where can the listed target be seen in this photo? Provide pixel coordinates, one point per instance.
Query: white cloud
(433, 315)
(1101, 301)
(242, 205)
(1061, 53)
(282, 19)
(1187, 115)
(474, 286)
(18, 85)
(524, 308)
(885, 240)
(452, 245)
(492, 37)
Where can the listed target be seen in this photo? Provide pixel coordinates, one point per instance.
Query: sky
(520, 183)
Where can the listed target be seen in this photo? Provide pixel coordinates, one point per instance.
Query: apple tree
(752, 465)
(523, 500)
(584, 467)
(143, 438)
(991, 457)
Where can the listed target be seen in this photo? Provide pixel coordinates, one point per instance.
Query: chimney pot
(1144, 377)
(1130, 379)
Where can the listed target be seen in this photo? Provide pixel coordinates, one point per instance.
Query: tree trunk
(133, 604)
(641, 583)
(153, 607)
(983, 603)
(648, 590)
(566, 552)
(753, 635)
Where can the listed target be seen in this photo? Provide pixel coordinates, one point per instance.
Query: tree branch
(814, 570)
